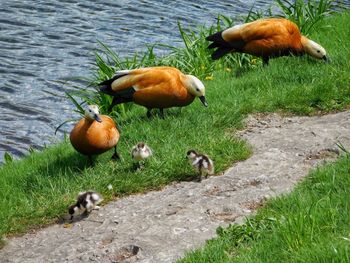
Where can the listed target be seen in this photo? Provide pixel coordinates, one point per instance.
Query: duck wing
(138, 79)
(267, 33)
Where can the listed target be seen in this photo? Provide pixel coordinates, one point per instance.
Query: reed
(193, 57)
(308, 14)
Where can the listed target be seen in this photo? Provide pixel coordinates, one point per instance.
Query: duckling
(86, 202)
(95, 134)
(139, 153)
(202, 163)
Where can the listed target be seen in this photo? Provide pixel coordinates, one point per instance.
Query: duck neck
(304, 43)
(89, 120)
(187, 82)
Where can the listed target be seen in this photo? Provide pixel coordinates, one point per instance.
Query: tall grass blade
(63, 123)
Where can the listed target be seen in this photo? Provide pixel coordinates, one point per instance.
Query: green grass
(309, 225)
(307, 14)
(38, 189)
(194, 57)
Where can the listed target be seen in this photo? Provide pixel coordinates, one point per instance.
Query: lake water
(45, 41)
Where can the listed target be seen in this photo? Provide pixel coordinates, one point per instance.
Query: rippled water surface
(44, 41)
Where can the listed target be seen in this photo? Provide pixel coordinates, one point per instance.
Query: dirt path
(161, 226)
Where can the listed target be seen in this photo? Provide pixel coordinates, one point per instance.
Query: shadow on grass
(141, 117)
(65, 165)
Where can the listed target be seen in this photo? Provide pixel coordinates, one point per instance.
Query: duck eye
(318, 51)
(197, 89)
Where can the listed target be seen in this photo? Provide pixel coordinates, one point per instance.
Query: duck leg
(265, 61)
(149, 114)
(115, 156)
(161, 113)
(91, 162)
(199, 178)
(136, 166)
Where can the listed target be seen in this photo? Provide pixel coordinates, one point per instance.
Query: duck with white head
(95, 134)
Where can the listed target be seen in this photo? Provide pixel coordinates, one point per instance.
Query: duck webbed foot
(116, 155)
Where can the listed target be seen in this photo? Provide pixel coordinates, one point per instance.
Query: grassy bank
(309, 225)
(37, 190)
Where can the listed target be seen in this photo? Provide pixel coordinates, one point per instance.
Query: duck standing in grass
(86, 202)
(201, 162)
(139, 153)
(266, 38)
(95, 134)
(154, 88)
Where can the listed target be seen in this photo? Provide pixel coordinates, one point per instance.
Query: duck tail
(224, 47)
(106, 86)
(216, 37)
(218, 42)
(220, 52)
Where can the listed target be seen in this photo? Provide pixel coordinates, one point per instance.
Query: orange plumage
(154, 87)
(94, 134)
(265, 38)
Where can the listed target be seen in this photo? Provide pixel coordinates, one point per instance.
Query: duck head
(72, 210)
(191, 154)
(92, 113)
(196, 88)
(314, 49)
(141, 147)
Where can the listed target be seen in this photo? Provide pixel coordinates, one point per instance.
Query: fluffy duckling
(266, 38)
(86, 202)
(202, 163)
(154, 88)
(95, 134)
(139, 153)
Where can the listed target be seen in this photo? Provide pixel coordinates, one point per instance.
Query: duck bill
(204, 102)
(97, 118)
(326, 59)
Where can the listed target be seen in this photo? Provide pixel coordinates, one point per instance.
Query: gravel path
(161, 226)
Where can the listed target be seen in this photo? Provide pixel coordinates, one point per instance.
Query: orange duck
(95, 134)
(265, 38)
(154, 88)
